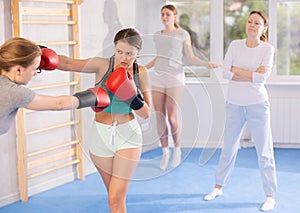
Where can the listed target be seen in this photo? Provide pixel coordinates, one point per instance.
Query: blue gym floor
(178, 190)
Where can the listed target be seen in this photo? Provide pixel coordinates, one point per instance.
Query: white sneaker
(176, 157)
(165, 161)
(213, 194)
(268, 205)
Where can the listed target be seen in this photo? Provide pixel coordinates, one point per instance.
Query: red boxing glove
(121, 84)
(49, 59)
(97, 98)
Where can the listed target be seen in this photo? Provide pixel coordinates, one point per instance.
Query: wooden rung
(51, 1)
(48, 22)
(52, 127)
(50, 158)
(58, 43)
(52, 148)
(49, 86)
(43, 11)
(54, 168)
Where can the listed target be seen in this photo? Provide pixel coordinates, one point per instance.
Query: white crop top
(169, 48)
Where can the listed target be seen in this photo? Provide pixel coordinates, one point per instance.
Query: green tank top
(117, 106)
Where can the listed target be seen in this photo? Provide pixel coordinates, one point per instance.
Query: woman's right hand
(261, 70)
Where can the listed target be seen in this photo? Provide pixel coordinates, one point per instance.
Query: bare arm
(194, 59)
(43, 102)
(151, 63)
(90, 65)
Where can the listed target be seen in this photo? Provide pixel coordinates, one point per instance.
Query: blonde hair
(174, 10)
(18, 51)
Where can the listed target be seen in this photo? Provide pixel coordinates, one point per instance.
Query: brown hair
(263, 37)
(18, 51)
(130, 36)
(174, 10)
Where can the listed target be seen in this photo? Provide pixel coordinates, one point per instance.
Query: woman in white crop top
(168, 80)
(247, 65)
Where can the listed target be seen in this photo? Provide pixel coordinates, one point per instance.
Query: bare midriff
(108, 118)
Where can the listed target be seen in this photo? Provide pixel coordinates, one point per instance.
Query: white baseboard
(54, 182)
(246, 144)
(9, 199)
(219, 144)
(202, 144)
(58, 181)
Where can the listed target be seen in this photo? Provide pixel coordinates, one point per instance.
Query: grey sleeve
(22, 96)
(12, 98)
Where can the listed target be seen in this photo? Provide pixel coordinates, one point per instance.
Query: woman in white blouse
(247, 65)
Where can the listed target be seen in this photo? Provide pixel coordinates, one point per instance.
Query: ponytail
(263, 37)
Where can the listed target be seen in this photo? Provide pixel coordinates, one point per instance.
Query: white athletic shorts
(108, 139)
(167, 80)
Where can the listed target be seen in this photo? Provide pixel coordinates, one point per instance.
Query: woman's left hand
(213, 65)
(261, 70)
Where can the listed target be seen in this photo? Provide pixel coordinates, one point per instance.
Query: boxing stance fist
(49, 59)
(121, 84)
(97, 98)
